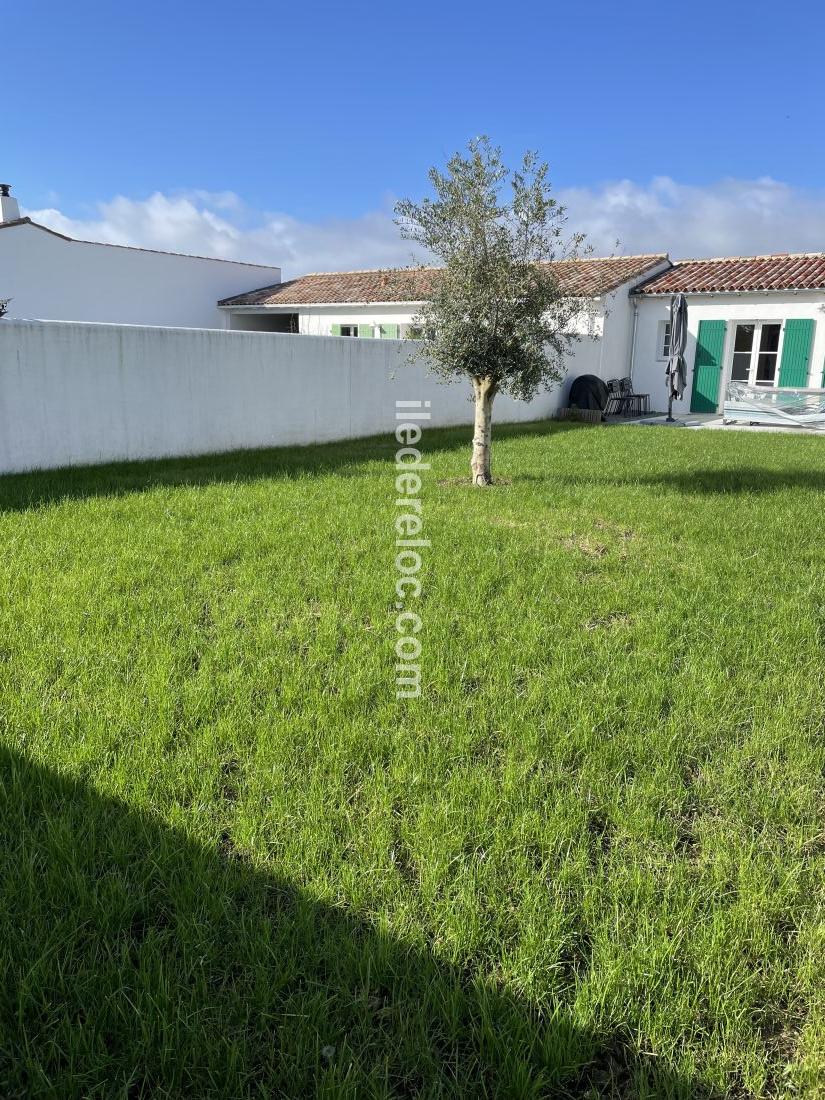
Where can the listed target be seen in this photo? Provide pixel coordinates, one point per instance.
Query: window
(663, 340)
(756, 352)
(742, 350)
(768, 355)
(352, 330)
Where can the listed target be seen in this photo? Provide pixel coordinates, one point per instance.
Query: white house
(759, 319)
(755, 319)
(382, 305)
(50, 276)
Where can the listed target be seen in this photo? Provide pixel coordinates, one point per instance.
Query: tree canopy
(497, 313)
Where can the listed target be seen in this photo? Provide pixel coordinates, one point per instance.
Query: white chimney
(9, 210)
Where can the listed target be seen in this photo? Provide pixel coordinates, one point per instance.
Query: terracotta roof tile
(779, 271)
(581, 278)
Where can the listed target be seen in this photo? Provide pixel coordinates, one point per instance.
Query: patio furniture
(622, 401)
(635, 404)
(615, 400)
(783, 407)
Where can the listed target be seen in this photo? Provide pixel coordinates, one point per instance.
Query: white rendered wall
(617, 330)
(86, 393)
(48, 277)
(649, 370)
(318, 320)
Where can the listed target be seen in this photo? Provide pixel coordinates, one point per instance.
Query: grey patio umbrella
(676, 369)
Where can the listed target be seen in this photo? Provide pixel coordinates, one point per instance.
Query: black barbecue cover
(588, 392)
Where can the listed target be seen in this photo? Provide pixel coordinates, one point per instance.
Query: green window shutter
(336, 330)
(389, 332)
(365, 330)
(796, 353)
(707, 367)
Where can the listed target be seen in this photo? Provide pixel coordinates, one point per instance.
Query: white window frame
(350, 334)
(662, 348)
(757, 340)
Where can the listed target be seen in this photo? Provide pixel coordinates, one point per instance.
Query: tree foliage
(497, 313)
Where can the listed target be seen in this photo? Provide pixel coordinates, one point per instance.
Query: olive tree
(497, 313)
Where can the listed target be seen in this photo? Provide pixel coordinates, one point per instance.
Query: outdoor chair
(615, 400)
(622, 401)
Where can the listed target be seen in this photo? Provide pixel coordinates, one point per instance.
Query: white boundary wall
(74, 393)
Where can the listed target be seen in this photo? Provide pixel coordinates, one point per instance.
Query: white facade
(52, 277)
(648, 366)
(319, 320)
(387, 320)
(605, 323)
(90, 393)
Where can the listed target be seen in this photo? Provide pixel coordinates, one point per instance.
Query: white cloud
(208, 224)
(729, 217)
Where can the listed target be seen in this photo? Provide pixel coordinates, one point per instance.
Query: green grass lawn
(588, 861)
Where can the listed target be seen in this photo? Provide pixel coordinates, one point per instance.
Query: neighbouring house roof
(778, 271)
(586, 278)
(132, 247)
(338, 287)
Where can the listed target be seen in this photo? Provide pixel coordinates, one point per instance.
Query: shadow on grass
(712, 482)
(138, 963)
(345, 459)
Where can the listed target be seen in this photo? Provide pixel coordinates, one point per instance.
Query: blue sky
(295, 126)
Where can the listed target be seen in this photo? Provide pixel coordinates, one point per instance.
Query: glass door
(740, 370)
(766, 360)
(756, 353)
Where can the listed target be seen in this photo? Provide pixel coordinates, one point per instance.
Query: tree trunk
(480, 464)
